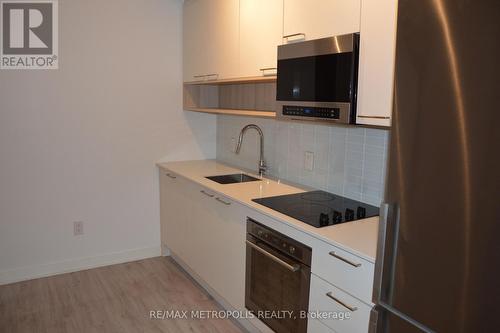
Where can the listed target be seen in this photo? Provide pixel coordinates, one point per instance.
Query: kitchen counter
(358, 237)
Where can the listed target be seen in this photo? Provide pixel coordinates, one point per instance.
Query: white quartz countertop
(359, 237)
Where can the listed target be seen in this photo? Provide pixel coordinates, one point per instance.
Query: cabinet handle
(206, 75)
(215, 75)
(350, 308)
(263, 70)
(374, 117)
(294, 35)
(170, 176)
(333, 254)
(222, 201)
(207, 194)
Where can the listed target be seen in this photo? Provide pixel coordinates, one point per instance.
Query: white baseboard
(165, 251)
(73, 265)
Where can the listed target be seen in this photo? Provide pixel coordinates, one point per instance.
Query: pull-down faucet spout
(262, 162)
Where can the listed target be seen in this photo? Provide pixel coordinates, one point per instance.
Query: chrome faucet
(262, 162)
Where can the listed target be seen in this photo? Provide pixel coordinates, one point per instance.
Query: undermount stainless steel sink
(233, 179)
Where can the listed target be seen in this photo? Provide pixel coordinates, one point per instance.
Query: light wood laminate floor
(115, 298)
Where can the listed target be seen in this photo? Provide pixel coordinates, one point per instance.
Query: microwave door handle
(293, 268)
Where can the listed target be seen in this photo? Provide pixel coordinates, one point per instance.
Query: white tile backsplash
(349, 161)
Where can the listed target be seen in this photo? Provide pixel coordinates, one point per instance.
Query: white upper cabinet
(261, 29)
(320, 18)
(376, 62)
(211, 39)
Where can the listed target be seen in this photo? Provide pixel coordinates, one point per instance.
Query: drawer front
(315, 326)
(337, 309)
(344, 270)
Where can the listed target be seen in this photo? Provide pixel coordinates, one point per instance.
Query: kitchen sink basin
(233, 179)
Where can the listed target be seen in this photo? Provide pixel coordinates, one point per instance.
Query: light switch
(309, 161)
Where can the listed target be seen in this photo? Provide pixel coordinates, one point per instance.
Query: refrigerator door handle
(372, 324)
(379, 260)
(387, 248)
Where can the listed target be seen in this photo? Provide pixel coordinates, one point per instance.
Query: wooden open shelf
(235, 112)
(249, 96)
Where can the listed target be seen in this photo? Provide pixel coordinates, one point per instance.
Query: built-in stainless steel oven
(318, 79)
(278, 272)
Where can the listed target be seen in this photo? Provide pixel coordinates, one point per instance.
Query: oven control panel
(310, 111)
(279, 241)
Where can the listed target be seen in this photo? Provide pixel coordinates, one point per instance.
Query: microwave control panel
(309, 111)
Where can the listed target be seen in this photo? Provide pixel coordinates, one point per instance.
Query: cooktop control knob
(337, 216)
(324, 219)
(349, 214)
(292, 249)
(361, 213)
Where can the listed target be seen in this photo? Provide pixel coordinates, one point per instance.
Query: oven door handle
(293, 268)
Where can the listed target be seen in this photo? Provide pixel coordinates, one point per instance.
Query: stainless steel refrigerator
(438, 261)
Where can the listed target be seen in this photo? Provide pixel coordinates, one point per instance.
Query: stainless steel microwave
(318, 79)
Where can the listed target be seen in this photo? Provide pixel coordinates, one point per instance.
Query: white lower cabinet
(207, 231)
(316, 326)
(332, 304)
(217, 232)
(343, 269)
(174, 212)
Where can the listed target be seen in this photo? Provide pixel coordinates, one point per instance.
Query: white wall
(349, 161)
(81, 142)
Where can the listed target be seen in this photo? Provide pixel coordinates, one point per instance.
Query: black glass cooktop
(319, 208)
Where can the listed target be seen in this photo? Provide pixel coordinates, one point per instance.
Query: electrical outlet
(309, 161)
(78, 228)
